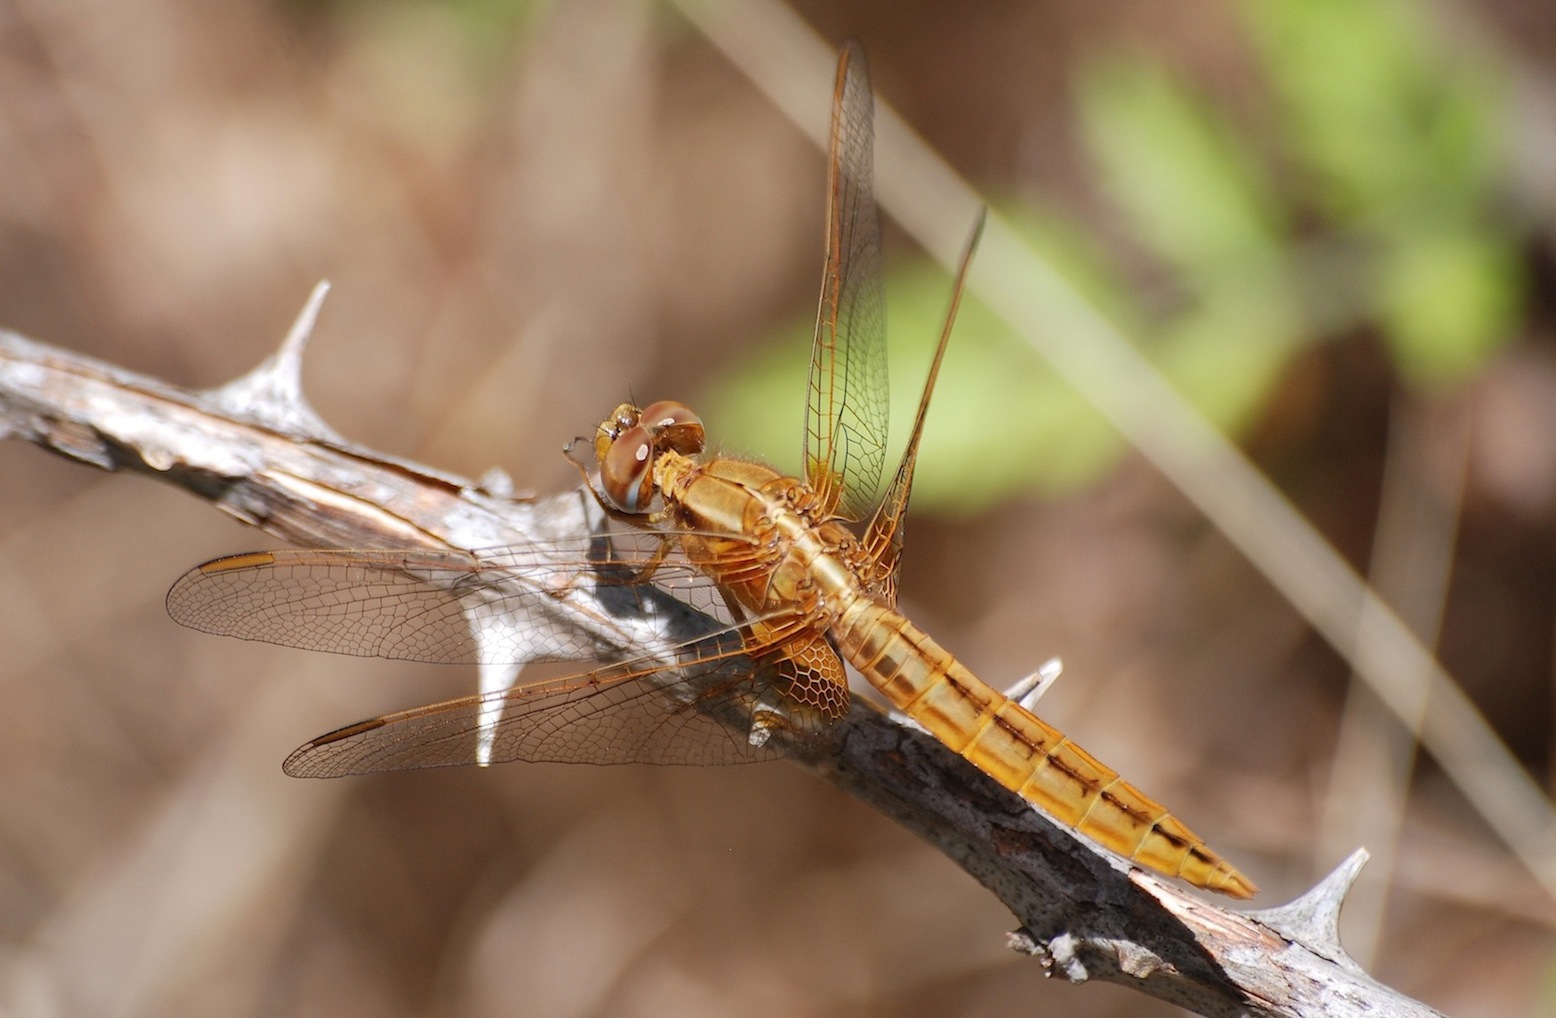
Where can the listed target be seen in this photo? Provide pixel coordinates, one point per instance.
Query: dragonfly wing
(809, 672)
(570, 600)
(697, 712)
(846, 410)
(883, 536)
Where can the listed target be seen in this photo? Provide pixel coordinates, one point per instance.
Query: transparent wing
(883, 536)
(547, 601)
(692, 701)
(846, 412)
(697, 712)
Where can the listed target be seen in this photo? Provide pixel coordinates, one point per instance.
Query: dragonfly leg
(765, 720)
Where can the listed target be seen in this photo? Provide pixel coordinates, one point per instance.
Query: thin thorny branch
(256, 450)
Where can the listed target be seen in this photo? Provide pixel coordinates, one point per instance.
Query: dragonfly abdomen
(1020, 751)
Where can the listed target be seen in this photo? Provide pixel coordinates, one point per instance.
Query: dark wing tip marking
(243, 560)
(303, 762)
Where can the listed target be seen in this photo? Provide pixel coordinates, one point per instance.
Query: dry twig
(255, 449)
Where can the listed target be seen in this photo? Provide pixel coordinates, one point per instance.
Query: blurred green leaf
(1195, 197)
(1001, 423)
(1448, 299)
(1354, 84)
(1397, 135)
(1228, 355)
(1193, 194)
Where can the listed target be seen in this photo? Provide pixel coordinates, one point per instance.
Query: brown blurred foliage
(526, 214)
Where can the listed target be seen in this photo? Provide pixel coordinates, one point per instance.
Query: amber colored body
(814, 568)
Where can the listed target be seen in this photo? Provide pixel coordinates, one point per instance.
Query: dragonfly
(764, 585)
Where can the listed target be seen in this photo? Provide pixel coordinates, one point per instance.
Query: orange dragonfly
(791, 589)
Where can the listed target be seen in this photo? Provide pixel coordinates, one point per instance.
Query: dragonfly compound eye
(674, 426)
(627, 470)
(623, 417)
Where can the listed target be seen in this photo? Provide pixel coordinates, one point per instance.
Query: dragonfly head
(626, 443)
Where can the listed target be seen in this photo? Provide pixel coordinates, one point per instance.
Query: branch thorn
(1029, 690)
(1313, 920)
(272, 394)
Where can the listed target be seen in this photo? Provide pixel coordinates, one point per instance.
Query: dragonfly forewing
(568, 600)
(846, 410)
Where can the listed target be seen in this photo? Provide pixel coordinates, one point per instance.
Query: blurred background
(1331, 225)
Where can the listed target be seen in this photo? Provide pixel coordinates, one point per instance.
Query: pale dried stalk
(256, 450)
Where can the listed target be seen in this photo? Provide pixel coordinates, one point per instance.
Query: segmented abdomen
(1027, 756)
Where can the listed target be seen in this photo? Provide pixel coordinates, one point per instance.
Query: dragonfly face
(628, 443)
